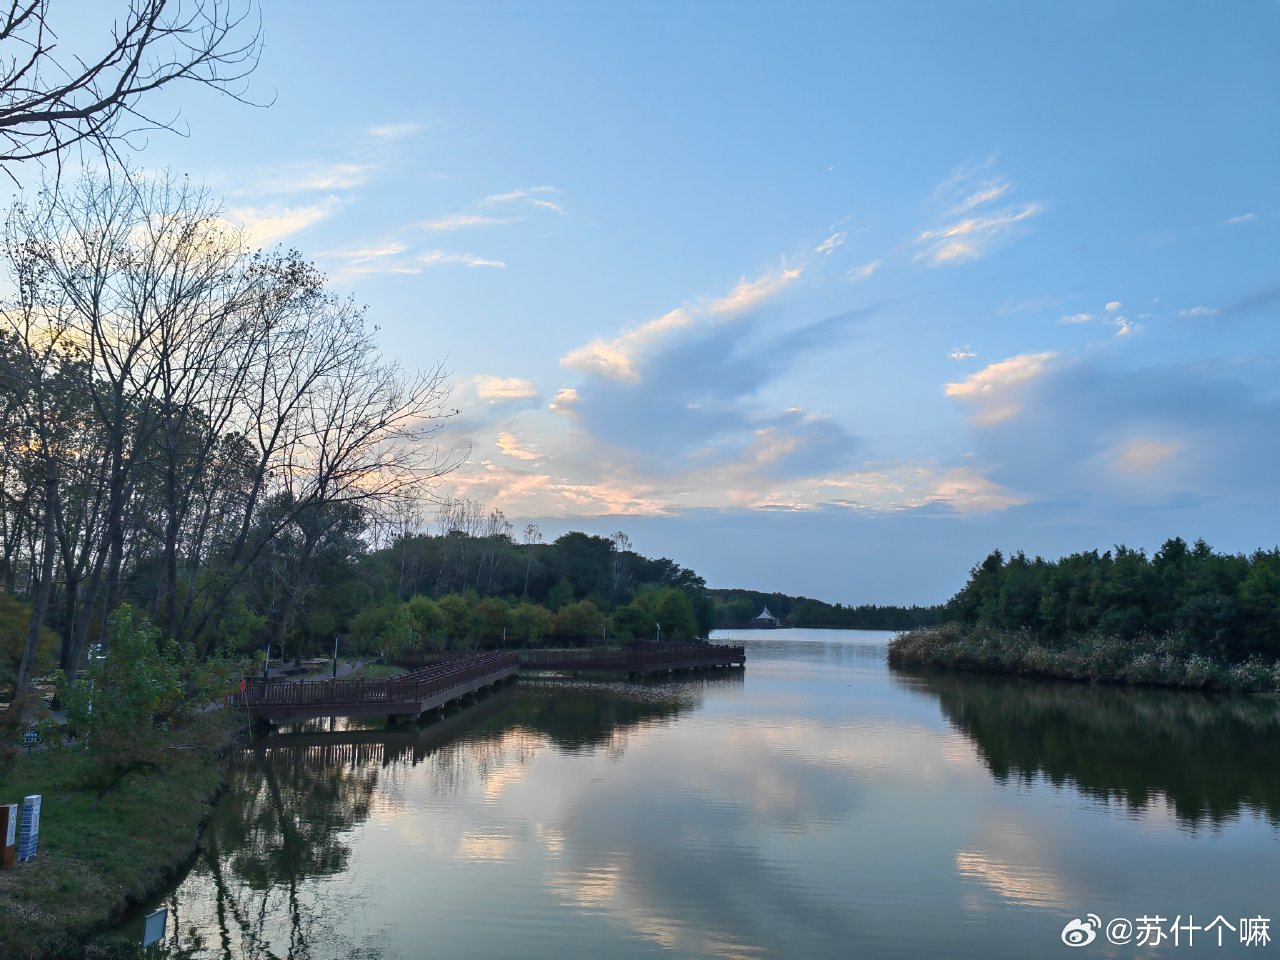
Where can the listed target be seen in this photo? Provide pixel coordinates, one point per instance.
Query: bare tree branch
(52, 101)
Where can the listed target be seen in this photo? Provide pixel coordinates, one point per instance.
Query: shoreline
(1147, 662)
(101, 854)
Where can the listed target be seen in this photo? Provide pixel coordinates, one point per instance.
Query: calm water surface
(816, 804)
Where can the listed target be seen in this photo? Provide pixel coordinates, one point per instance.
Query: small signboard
(29, 832)
(153, 926)
(31, 738)
(9, 831)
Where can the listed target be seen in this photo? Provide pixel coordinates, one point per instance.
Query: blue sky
(822, 297)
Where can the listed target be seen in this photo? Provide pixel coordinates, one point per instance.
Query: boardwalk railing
(404, 694)
(645, 658)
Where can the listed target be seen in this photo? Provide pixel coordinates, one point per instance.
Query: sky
(825, 298)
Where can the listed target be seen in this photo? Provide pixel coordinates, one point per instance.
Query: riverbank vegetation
(100, 852)
(123, 801)
(1187, 616)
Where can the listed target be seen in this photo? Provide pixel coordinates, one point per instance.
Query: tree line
(472, 584)
(1227, 606)
(184, 423)
(737, 608)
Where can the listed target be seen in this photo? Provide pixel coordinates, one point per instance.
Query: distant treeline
(737, 608)
(1227, 605)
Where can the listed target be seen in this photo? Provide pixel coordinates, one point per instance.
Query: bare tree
(620, 546)
(231, 401)
(52, 100)
(532, 536)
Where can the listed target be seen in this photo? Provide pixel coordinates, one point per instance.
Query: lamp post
(658, 639)
(335, 656)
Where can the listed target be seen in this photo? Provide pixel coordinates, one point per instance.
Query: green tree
(530, 623)
(579, 621)
(675, 612)
(561, 595)
(632, 621)
(457, 619)
(428, 621)
(491, 618)
(122, 701)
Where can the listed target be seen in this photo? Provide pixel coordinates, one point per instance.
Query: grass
(1167, 661)
(376, 671)
(101, 852)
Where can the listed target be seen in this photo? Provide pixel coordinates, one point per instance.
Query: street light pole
(335, 656)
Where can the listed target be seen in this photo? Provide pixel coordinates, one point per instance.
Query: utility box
(29, 832)
(9, 834)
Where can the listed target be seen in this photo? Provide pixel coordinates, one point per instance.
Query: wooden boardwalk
(645, 659)
(409, 695)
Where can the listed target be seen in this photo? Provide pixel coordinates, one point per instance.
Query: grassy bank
(1167, 661)
(99, 850)
(376, 671)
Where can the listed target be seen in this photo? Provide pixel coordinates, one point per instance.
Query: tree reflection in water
(1210, 756)
(295, 798)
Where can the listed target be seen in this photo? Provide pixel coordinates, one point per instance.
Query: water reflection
(813, 806)
(271, 878)
(1209, 756)
(586, 714)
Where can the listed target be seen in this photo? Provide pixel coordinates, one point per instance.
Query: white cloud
(1077, 318)
(967, 491)
(393, 131)
(1113, 306)
(972, 237)
(987, 192)
(439, 257)
(461, 221)
(751, 293)
(546, 205)
(1243, 218)
(372, 267)
(529, 196)
(994, 388)
(1200, 312)
(307, 178)
(961, 353)
(509, 445)
(831, 243)
(615, 359)
(504, 388)
(263, 226)
(338, 176)
(863, 272)
(565, 401)
(361, 254)
(1143, 455)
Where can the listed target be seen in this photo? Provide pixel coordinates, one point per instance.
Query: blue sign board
(153, 926)
(29, 832)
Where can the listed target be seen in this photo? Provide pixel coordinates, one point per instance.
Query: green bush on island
(1187, 617)
(464, 621)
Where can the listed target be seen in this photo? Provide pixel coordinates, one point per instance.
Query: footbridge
(638, 660)
(428, 688)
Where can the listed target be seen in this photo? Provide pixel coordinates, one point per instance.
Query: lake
(816, 804)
